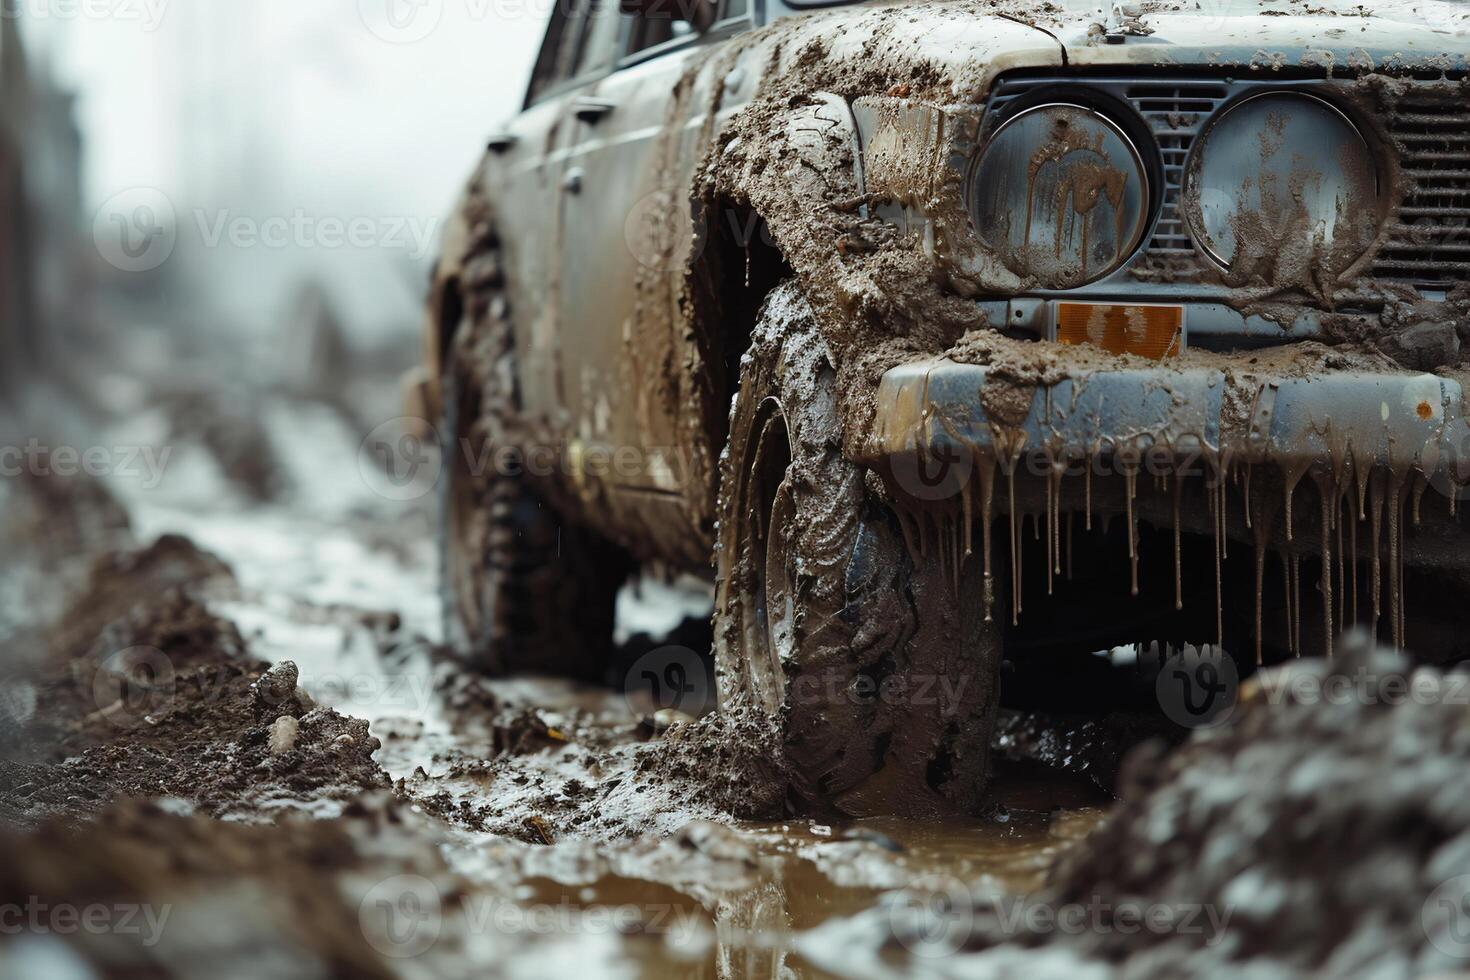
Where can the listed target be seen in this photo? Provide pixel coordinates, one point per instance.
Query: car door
(624, 250)
(525, 176)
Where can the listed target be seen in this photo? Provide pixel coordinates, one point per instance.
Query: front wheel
(880, 677)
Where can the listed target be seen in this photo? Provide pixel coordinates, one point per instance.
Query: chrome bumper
(1332, 420)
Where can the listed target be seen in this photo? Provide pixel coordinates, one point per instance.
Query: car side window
(598, 45)
(583, 39)
(655, 27)
(560, 34)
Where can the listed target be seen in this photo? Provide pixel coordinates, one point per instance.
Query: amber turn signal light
(1155, 332)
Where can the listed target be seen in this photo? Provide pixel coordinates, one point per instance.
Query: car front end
(1221, 257)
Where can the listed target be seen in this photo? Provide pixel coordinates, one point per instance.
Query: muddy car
(956, 342)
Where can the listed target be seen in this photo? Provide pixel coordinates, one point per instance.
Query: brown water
(745, 901)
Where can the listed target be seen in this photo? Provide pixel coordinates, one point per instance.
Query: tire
(523, 589)
(881, 683)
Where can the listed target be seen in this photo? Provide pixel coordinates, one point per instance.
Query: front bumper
(1219, 410)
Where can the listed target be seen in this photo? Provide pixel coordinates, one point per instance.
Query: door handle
(500, 142)
(572, 182)
(589, 110)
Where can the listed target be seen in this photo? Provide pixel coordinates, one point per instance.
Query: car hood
(1279, 34)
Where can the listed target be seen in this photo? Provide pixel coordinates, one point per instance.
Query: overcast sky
(291, 109)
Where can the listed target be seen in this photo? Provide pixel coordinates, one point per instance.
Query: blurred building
(43, 227)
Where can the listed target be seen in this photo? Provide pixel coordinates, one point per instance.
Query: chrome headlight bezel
(1117, 129)
(1192, 211)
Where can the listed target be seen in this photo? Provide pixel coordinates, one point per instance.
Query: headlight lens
(1061, 195)
(1283, 187)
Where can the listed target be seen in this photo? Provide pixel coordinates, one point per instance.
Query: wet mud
(152, 756)
(283, 777)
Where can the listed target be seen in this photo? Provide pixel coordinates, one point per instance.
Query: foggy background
(266, 126)
(217, 224)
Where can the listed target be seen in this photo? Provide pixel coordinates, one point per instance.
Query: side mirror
(698, 13)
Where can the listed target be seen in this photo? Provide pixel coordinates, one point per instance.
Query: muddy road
(233, 746)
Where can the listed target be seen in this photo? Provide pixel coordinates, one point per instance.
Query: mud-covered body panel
(869, 214)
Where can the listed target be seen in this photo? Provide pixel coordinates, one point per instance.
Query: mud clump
(207, 897)
(1314, 830)
(164, 699)
(547, 785)
(119, 580)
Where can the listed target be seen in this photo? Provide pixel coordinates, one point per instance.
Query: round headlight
(1061, 195)
(1283, 186)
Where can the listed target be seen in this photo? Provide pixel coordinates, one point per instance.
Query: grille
(1176, 114)
(1429, 238)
